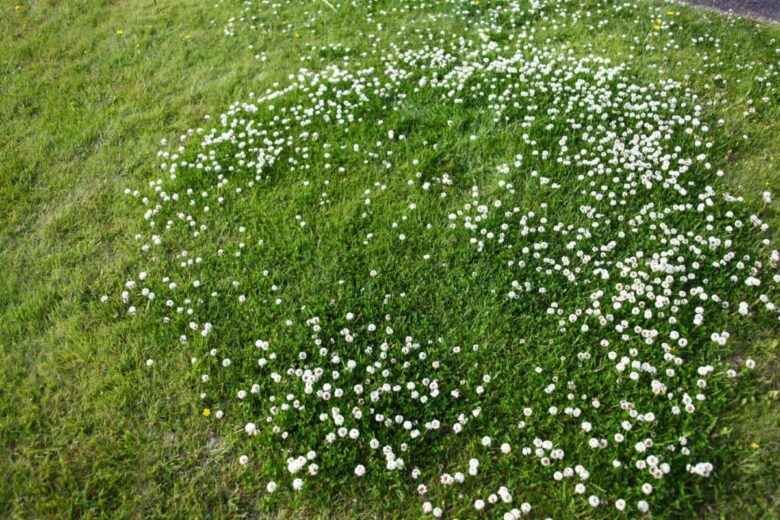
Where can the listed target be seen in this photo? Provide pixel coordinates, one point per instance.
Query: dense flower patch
(499, 275)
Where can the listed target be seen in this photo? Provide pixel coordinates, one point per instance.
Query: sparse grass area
(90, 87)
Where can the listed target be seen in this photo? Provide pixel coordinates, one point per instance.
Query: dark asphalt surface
(769, 9)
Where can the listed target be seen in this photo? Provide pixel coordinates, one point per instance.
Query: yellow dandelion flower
(120, 32)
(754, 445)
(206, 412)
(18, 7)
(657, 27)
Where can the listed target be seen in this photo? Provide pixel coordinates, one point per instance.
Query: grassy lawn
(89, 90)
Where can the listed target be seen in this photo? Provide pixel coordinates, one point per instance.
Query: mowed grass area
(88, 91)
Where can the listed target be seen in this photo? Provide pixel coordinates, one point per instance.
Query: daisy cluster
(501, 275)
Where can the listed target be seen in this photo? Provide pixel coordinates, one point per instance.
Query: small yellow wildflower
(187, 36)
(754, 445)
(18, 7)
(296, 35)
(206, 412)
(657, 27)
(120, 32)
(670, 13)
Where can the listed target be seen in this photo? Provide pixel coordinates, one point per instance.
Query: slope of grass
(90, 88)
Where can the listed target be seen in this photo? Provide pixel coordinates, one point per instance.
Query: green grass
(89, 90)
